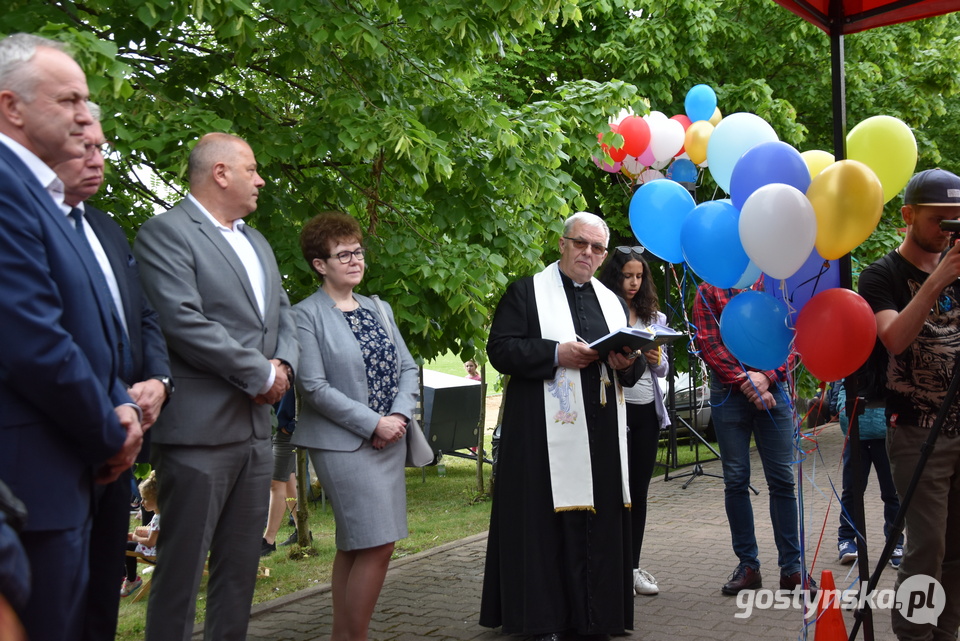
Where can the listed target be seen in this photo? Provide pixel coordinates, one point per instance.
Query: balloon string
(824, 268)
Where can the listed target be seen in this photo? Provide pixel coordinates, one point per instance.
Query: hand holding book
(635, 338)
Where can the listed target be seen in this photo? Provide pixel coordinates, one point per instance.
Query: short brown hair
(325, 230)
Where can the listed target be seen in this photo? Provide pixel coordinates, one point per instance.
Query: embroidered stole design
(568, 447)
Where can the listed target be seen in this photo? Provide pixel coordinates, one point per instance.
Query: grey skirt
(368, 492)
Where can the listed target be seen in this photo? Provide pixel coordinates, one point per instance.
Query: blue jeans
(872, 451)
(736, 419)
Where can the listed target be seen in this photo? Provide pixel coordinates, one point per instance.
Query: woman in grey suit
(359, 389)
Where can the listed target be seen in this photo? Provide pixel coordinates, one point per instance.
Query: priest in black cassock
(558, 554)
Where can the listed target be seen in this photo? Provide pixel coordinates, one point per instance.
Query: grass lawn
(439, 510)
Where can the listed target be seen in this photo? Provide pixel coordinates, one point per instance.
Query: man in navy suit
(67, 420)
(147, 371)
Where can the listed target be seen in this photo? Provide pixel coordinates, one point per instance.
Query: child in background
(471, 367)
(143, 540)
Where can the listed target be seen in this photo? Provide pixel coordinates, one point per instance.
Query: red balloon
(836, 331)
(686, 122)
(616, 154)
(636, 135)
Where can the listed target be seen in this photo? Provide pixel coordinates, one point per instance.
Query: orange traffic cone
(830, 625)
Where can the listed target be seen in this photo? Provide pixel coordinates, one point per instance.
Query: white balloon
(778, 229)
(666, 139)
(649, 175)
(616, 120)
(631, 164)
(655, 116)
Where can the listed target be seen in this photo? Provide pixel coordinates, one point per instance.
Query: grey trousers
(932, 527)
(214, 499)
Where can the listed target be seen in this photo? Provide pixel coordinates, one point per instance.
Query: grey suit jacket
(219, 345)
(335, 413)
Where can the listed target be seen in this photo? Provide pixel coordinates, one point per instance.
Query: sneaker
(896, 556)
(644, 583)
(266, 549)
(290, 521)
(129, 587)
(848, 552)
(290, 539)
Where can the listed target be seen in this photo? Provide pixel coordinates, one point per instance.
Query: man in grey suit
(233, 349)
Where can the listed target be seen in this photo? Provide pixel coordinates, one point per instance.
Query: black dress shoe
(743, 578)
(266, 549)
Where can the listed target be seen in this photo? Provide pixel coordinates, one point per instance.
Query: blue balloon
(731, 138)
(749, 277)
(710, 240)
(764, 164)
(754, 328)
(815, 276)
(700, 103)
(683, 171)
(657, 211)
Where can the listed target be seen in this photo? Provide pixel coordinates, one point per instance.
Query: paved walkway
(436, 594)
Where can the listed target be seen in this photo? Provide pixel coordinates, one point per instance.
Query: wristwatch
(167, 385)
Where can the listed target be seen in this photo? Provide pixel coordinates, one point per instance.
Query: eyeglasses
(580, 244)
(344, 257)
(623, 249)
(90, 148)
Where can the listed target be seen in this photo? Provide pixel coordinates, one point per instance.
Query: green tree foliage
(461, 132)
(364, 107)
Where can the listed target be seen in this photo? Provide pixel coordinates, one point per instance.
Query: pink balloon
(614, 168)
(646, 157)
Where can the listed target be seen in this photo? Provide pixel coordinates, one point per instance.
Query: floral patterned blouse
(379, 357)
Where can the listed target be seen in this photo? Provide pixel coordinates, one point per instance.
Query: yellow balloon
(696, 139)
(817, 161)
(716, 117)
(888, 147)
(847, 198)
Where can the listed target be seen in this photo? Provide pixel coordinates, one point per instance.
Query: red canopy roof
(860, 15)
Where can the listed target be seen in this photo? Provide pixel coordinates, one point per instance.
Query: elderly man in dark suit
(66, 419)
(233, 349)
(147, 371)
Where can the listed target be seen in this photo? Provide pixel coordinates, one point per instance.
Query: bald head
(223, 176)
(211, 149)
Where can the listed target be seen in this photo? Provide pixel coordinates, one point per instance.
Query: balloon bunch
(790, 216)
(653, 141)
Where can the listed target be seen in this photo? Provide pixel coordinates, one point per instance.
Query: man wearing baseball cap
(915, 295)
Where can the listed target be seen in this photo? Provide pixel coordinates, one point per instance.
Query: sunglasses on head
(623, 249)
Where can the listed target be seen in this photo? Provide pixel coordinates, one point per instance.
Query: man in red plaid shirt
(745, 403)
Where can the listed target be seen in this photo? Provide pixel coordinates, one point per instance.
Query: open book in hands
(635, 338)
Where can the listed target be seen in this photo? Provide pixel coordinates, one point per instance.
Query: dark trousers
(873, 451)
(58, 562)
(642, 440)
(108, 537)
